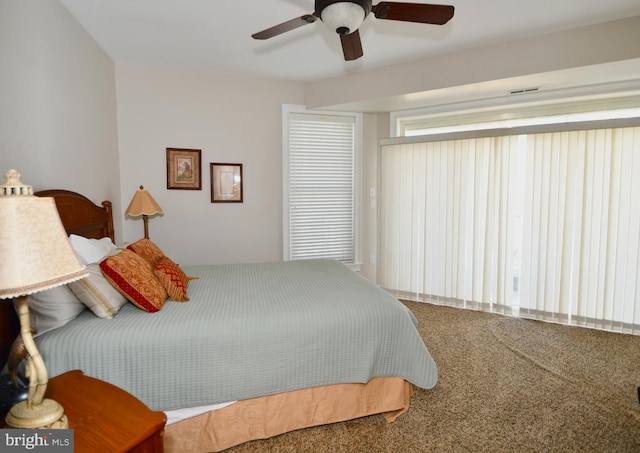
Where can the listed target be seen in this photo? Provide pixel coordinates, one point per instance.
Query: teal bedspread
(249, 330)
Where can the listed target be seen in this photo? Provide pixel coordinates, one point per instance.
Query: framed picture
(184, 170)
(226, 183)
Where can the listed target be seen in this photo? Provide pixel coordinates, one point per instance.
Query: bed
(257, 349)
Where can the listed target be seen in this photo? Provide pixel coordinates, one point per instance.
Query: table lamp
(35, 255)
(143, 204)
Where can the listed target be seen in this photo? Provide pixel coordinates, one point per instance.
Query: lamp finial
(13, 186)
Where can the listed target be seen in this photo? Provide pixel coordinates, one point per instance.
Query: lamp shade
(35, 253)
(143, 203)
(343, 17)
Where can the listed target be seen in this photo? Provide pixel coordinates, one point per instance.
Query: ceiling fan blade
(285, 27)
(351, 46)
(414, 12)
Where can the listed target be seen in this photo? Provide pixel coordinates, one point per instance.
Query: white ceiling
(215, 36)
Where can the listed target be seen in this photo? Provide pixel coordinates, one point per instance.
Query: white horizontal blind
(321, 187)
(546, 224)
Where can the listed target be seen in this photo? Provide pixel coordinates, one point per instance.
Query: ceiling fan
(346, 16)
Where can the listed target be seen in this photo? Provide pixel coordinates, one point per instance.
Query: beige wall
(57, 102)
(232, 120)
(375, 127)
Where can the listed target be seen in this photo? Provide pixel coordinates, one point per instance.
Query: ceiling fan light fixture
(343, 17)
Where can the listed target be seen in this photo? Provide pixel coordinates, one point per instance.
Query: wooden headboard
(79, 216)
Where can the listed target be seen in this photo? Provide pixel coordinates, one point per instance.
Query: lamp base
(47, 415)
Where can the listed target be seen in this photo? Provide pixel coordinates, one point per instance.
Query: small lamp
(35, 254)
(143, 204)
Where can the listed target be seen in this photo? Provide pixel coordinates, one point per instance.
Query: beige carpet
(505, 385)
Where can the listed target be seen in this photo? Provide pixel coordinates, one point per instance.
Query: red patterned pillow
(173, 279)
(130, 274)
(148, 250)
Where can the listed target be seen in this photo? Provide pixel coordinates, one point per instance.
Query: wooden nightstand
(104, 417)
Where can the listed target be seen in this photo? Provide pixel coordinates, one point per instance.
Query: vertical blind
(546, 225)
(321, 187)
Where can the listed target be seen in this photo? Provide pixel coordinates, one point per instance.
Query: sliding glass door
(546, 224)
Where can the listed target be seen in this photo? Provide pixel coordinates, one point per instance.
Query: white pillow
(91, 250)
(97, 293)
(52, 308)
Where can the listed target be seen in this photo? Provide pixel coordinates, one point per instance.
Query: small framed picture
(184, 170)
(226, 183)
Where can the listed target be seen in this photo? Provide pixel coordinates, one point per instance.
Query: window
(320, 175)
(545, 107)
(537, 220)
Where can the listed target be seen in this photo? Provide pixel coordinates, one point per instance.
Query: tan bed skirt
(268, 416)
